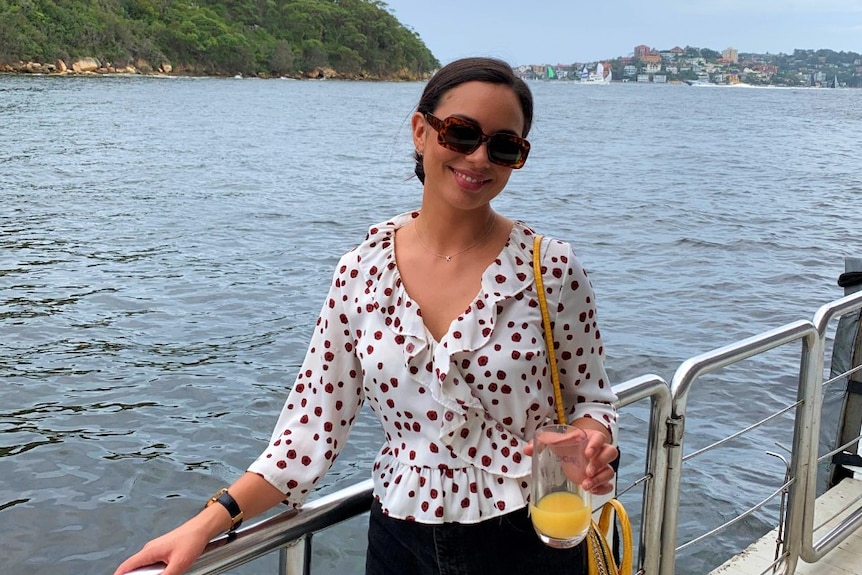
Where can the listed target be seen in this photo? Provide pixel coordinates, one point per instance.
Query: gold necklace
(491, 221)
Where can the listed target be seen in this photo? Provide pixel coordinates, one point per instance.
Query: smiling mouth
(467, 178)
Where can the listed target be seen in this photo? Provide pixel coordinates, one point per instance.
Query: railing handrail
(681, 384)
(276, 532)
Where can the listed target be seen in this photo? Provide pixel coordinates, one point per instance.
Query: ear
(419, 127)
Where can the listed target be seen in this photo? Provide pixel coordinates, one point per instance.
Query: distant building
(659, 78)
(641, 51)
(730, 55)
(652, 67)
(766, 69)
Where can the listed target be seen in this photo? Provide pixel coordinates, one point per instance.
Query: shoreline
(91, 67)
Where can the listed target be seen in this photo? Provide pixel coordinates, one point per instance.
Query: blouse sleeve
(320, 409)
(585, 386)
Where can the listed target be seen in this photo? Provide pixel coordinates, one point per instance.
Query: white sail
(601, 76)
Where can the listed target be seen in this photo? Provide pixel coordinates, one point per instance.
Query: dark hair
(465, 70)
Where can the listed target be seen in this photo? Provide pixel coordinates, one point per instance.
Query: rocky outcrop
(92, 66)
(82, 65)
(79, 66)
(321, 74)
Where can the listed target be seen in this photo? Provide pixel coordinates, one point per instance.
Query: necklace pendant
(448, 258)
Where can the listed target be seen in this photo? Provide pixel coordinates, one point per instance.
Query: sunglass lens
(462, 138)
(505, 151)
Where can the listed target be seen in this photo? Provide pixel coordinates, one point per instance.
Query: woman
(433, 321)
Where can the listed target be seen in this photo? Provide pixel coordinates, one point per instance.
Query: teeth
(468, 178)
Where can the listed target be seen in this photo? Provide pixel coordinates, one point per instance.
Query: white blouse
(456, 413)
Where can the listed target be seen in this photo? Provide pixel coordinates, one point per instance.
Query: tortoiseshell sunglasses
(465, 136)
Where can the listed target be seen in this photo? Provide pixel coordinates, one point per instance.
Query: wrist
(224, 501)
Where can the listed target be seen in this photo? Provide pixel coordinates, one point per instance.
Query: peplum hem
(445, 494)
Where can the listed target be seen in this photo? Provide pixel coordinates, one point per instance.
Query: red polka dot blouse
(456, 412)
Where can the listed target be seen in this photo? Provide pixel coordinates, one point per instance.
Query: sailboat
(599, 77)
(834, 83)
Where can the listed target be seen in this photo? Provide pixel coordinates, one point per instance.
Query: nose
(480, 154)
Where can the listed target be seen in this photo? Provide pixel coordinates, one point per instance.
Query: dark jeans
(505, 545)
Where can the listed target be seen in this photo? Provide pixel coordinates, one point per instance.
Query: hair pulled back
(477, 69)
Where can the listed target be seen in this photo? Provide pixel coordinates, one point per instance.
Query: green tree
(314, 55)
(282, 59)
(710, 55)
(216, 36)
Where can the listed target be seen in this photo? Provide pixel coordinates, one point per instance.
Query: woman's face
(467, 181)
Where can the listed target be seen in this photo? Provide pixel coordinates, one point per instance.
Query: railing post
(675, 430)
(652, 509)
(295, 558)
(804, 452)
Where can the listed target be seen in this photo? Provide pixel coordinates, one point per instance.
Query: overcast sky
(567, 31)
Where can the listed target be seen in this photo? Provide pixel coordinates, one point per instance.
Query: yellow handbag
(600, 556)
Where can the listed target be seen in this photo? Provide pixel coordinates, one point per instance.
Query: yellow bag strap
(625, 568)
(601, 558)
(549, 334)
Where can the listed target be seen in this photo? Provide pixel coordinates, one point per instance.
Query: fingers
(528, 448)
(599, 472)
(596, 441)
(161, 556)
(138, 560)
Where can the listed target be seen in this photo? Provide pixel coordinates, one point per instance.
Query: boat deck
(830, 509)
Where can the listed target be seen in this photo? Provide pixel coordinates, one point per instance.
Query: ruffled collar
(508, 275)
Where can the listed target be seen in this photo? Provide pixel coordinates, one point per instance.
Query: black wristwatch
(229, 503)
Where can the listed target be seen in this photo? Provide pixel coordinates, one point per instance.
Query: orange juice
(561, 515)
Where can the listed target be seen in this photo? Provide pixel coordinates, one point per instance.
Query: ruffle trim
(433, 495)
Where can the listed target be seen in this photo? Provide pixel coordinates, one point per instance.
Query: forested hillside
(357, 38)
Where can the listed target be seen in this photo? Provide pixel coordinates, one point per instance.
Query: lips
(469, 181)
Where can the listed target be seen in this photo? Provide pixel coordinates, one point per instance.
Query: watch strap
(228, 502)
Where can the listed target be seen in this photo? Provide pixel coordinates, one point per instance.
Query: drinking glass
(559, 506)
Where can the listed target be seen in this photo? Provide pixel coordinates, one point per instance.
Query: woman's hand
(600, 474)
(177, 549)
(600, 453)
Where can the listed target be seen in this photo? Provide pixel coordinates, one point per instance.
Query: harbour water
(165, 246)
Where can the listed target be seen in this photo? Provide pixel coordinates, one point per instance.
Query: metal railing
(798, 522)
(812, 551)
(291, 532)
(810, 376)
